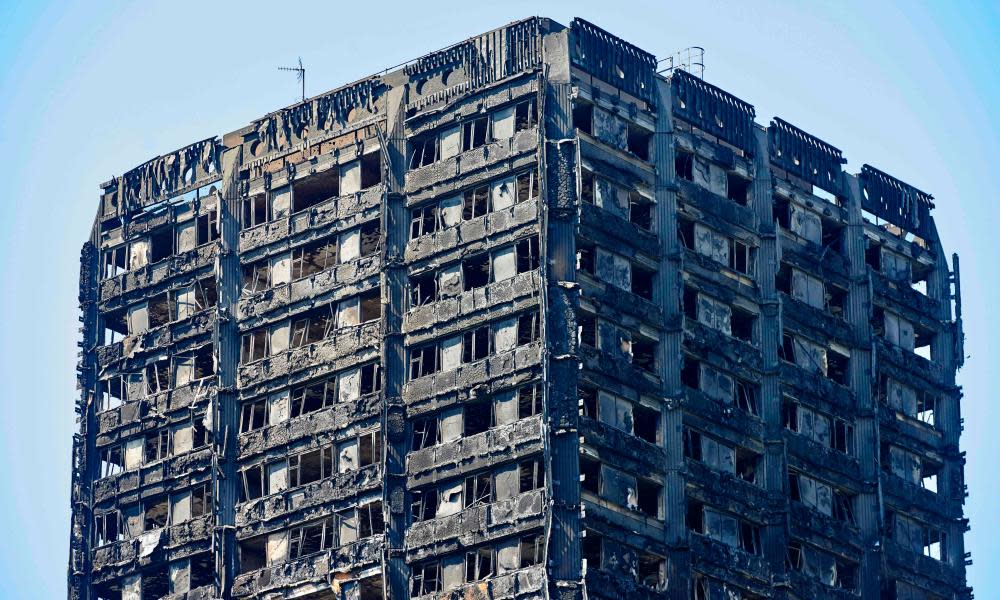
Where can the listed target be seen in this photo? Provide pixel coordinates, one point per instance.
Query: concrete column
(860, 376)
(774, 538)
(667, 294)
(394, 231)
(225, 411)
(561, 297)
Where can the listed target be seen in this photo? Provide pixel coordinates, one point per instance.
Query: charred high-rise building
(524, 317)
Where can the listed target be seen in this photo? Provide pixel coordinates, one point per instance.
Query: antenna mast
(300, 74)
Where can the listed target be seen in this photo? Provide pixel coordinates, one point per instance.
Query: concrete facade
(520, 318)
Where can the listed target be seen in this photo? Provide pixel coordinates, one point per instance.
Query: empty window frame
(312, 326)
(528, 327)
(108, 527)
(583, 117)
(423, 505)
(425, 433)
(252, 483)
(737, 188)
(642, 281)
(684, 165)
(527, 254)
(525, 115)
(314, 189)
(476, 271)
(255, 345)
(208, 226)
(477, 417)
(531, 474)
(206, 293)
(637, 141)
(424, 150)
(201, 500)
(479, 564)
(154, 513)
(529, 400)
(423, 288)
(475, 202)
(476, 344)
(115, 261)
(424, 360)
(478, 490)
(306, 467)
(369, 448)
(475, 133)
(156, 446)
(311, 538)
(425, 578)
(157, 375)
(741, 256)
(526, 185)
(161, 244)
(314, 257)
(371, 237)
(371, 170)
(424, 220)
(255, 210)
(370, 519)
(256, 276)
(112, 460)
(253, 415)
(586, 324)
(532, 550)
(640, 211)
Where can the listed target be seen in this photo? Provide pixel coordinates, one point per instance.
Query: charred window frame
(371, 169)
(208, 226)
(314, 326)
(252, 480)
(477, 417)
(314, 257)
(112, 460)
(115, 261)
(371, 378)
(369, 448)
(528, 328)
(108, 527)
(684, 165)
(201, 500)
(312, 397)
(529, 400)
(476, 271)
(156, 446)
(206, 293)
(525, 115)
(588, 186)
(162, 244)
(311, 538)
(477, 344)
(585, 257)
(308, 467)
(157, 376)
(527, 254)
(532, 550)
(315, 189)
(423, 289)
(254, 346)
(424, 360)
(253, 415)
(526, 185)
(590, 472)
(586, 325)
(642, 281)
(638, 141)
(370, 519)
(475, 202)
(424, 150)
(640, 211)
(476, 133)
(478, 490)
(256, 276)
(425, 578)
(479, 564)
(255, 210)
(425, 433)
(155, 513)
(424, 220)
(737, 188)
(583, 117)
(371, 237)
(423, 505)
(741, 256)
(531, 475)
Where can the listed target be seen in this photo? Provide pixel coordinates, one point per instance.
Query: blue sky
(90, 91)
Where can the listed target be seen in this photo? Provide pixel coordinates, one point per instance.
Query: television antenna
(300, 74)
